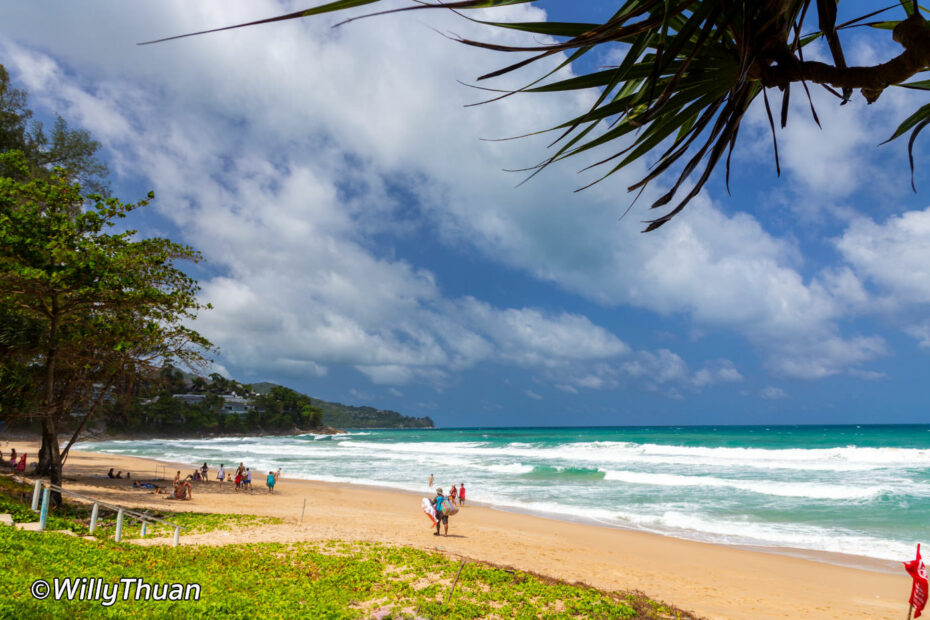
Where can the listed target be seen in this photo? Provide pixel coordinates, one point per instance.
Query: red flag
(919, 590)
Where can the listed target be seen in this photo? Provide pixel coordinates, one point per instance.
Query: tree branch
(911, 33)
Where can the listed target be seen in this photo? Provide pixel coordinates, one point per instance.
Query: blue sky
(364, 245)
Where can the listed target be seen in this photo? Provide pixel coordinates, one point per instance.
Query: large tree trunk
(50, 457)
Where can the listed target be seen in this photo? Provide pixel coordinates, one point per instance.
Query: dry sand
(711, 580)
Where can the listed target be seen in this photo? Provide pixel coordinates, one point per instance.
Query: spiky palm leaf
(690, 71)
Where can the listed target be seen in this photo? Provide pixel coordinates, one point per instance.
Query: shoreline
(713, 580)
(837, 558)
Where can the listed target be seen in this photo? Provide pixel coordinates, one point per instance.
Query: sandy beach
(711, 580)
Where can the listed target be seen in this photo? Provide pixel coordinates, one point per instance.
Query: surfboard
(428, 509)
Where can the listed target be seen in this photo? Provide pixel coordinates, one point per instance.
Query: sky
(364, 243)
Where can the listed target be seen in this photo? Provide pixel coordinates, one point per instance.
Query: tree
(101, 305)
(70, 149)
(690, 71)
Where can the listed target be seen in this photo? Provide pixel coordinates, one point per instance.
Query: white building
(232, 404)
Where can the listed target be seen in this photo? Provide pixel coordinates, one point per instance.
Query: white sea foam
(702, 527)
(812, 490)
(718, 494)
(820, 459)
(508, 468)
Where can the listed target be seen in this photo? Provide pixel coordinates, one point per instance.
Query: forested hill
(338, 415)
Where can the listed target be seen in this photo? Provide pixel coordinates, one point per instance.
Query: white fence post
(43, 516)
(93, 517)
(35, 496)
(177, 537)
(142, 532)
(119, 525)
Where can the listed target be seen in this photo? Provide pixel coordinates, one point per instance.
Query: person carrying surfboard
(442, 505)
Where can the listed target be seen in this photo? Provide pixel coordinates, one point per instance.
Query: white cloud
(533, 395)
(921, 332)
(720, 371)
(894, 255)
(273, 148)
(773, 393)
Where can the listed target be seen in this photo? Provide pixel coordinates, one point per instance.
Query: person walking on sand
(203, 472)
(248, 479)
(430, 483)
(440, 503)
(240, 470)
(221, 474)
(22, 462)
(277, 474)
(454, 494)
(238, 481)
(462, 494)
(270, 482)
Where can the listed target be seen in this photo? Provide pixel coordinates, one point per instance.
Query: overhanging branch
(911, 33)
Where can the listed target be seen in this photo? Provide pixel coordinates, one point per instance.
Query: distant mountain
(338, 415)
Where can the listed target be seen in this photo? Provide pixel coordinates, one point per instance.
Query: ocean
(859, 490)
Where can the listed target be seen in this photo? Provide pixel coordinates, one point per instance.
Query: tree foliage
(99, 305)
(154, 408)
(69, 149)
(688, 74)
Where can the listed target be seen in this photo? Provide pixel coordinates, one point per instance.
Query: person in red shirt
(453, 494)
(461, 494)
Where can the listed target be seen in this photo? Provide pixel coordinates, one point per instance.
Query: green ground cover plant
(329, 579)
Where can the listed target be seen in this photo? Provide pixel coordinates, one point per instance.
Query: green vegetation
(154, 407)
(315, 580)
(338, 415)
(16, 500)
(84, 308)
(331, 579)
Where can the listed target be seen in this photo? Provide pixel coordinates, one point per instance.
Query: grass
(16, 499)
(331, 579)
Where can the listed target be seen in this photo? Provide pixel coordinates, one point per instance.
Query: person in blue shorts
(438, 503)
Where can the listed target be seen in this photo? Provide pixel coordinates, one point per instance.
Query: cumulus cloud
(893, 254)
(773, 393)
(277, 152)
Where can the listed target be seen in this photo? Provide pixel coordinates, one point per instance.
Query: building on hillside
(232, 404)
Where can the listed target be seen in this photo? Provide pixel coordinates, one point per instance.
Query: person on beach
(247, 481)
(110, 473)
(203, 472)
(462, 494)
(240, 471)
(22, 462)
(277, 474)
(430, 483)
(442, 518)
(238, 481)
(270, 482)
(221, 474)
(454, 494)
(13, 458)
(184, 490)
(177, 478)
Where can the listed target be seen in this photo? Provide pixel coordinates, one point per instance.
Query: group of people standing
(455, 498)
(243, 478)
(14, 464)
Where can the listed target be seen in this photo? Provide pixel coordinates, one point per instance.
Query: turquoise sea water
(861, 490)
